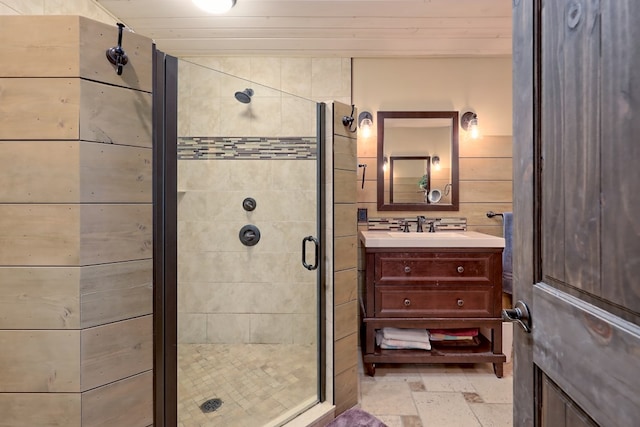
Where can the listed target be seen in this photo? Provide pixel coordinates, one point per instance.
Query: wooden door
(577, 211)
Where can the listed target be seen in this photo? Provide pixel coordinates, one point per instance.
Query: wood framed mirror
(412, 140)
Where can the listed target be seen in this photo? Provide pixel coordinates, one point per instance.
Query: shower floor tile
(256, 382)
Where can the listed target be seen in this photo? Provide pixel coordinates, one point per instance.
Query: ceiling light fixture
(215, 6)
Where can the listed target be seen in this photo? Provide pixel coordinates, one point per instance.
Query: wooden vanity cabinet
(440, 288)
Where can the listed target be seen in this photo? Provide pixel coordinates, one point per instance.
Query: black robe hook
(116, 54)
(347, 121)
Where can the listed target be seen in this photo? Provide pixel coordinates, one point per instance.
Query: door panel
(590, 353)
(621, 152)
(570, 137)
(577, 154)
(558, 410)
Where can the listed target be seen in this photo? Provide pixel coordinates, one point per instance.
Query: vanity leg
(370, 369)
(498, 369)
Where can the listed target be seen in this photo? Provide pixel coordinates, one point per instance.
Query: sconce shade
(385, 163)
(469, 122)
(365, 122)
(215, 6)
(435, 161)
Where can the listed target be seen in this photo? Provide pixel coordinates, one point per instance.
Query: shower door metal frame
(165, 232)
(165, 248)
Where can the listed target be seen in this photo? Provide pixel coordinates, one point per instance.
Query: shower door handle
(304, 252)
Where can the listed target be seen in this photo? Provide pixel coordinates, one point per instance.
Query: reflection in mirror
(410, 179)
(423, 150)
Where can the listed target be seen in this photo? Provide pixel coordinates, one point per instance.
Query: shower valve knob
(249, 204)
(249, 235)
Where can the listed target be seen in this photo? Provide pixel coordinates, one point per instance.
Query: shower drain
(211, 405)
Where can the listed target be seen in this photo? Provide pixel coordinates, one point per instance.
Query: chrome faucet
(421, 220)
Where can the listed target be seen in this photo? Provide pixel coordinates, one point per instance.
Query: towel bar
(491, 214)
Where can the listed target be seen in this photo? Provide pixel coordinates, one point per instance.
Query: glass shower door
(248, 196)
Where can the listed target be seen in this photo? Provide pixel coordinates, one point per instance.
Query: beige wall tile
(271, 328)
(305, 328)
(298, 117)
(239, 67)
(328, 77)
(296, 76)
(266, 71)
(79, 7)
(24, 7)
(192, 328)
(228, 328)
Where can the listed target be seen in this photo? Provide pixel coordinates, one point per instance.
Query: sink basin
(440, 239)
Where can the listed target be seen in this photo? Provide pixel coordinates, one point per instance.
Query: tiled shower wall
(231, 293)
(228, 292)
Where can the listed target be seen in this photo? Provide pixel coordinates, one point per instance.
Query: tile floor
(257, 383)
(416, 395)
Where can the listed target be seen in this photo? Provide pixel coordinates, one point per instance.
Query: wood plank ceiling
(342, 28)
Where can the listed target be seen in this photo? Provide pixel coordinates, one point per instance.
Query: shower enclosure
(248, 208)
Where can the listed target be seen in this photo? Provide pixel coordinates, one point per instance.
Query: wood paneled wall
(345, 262)
(75, 226)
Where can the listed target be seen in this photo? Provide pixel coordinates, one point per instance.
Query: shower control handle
(249, 204)
(249, 235)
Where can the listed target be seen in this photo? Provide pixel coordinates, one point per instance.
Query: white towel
(391, 344)
(418, 335)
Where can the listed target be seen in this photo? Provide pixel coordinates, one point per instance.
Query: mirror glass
(418, 160)
(409, 179)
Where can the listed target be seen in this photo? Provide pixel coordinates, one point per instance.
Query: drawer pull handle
(407, 269)
(407, 302)
(460, 269)
(460, 302)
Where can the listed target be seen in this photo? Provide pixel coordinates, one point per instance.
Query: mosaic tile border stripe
(393, 224)
(247, 148)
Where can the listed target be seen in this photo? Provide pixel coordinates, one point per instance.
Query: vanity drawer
(408, 267)
(434, 301)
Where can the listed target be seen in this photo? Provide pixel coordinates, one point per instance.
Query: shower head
(244, 96)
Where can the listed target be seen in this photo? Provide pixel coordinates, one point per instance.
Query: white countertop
(439, 239)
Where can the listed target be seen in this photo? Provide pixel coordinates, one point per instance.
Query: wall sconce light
(365, 122)
(435, 161)
(347, 121)
(215, 6)
(469, 122)
(385, 163)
